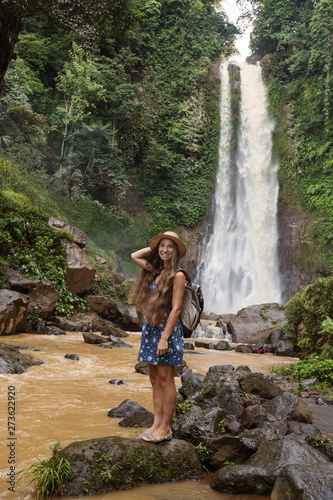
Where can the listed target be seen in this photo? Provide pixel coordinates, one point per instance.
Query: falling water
(240, 265)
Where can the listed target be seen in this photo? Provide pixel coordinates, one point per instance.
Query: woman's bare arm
(140, 258)
(177, 300)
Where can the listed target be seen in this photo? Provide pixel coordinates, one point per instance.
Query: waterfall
(240, 266)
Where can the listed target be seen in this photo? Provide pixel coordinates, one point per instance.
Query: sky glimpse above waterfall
(240, 265)
(234, 11)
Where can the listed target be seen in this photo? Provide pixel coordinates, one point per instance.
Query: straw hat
(171, 236)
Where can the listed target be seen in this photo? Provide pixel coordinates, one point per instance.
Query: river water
(65, 400)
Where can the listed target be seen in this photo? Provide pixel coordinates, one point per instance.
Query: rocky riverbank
(257, 437)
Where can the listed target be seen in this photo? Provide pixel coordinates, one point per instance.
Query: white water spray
(240, 266)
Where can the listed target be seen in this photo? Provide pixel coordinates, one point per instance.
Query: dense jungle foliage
(297, 38)
(123, 138)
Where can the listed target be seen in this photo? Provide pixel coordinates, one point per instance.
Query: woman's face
(165, 249)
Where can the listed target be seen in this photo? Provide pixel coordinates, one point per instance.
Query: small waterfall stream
(240, 265)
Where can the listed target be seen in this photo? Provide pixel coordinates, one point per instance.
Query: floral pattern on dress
(150, 339)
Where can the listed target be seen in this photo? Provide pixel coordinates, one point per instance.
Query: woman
(159, 292)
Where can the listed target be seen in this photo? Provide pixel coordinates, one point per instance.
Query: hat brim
(181, 247)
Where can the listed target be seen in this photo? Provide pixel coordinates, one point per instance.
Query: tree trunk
(10, 27)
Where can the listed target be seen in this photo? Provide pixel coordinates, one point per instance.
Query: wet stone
(74, 357)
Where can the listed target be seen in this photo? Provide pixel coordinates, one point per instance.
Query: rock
(80, 269)
(188, 346)
(87, 322)
(18, 282)
(253, 59)
(249, 326)
(44, 297)
(109, 328)
(325, 446)
(233, 426)
(92, 338)
(74, 357)
(252, 416)
(309, 382)
(143, 419)
(285, 349)
(129, 314)
(244, 348)
(228, 449)
(204, 345)
(127, 408)
(208, 331)
(65, 324)
(258, 473)
(223, 345)
(117, 381)
(262, 385)
(242, 479)
(51, 330)
(197, 424)
(98, 304)
(303, 482)
(113, 463)
(289, 407)
(13, 312)
(243, 368)
(266, 61)
(190, 382)
(80, 238)
(119, 343)
(12, 361)
(141, 367)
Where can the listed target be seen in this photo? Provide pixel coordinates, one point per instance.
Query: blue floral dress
(150, 338)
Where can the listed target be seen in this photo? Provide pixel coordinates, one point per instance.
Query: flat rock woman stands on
(159, 293)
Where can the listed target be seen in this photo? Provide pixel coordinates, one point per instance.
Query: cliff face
(295, 252)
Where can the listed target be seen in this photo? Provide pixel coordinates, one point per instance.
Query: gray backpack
(192, 307)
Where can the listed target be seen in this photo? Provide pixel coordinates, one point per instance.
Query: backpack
(192, 307)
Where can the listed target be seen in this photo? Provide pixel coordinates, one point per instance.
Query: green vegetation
(297, 35)
(203, 452)
(123, 138)
(49, 475)
(182, 408)
(319, 366)
(29, 243)
(308, 313)
(222, 425)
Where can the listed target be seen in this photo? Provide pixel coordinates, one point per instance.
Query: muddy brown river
(65, 400)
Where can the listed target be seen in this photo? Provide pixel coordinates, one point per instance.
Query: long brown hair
(156, 304)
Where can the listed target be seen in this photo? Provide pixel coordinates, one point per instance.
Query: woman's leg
(164, 399)
(157, 398)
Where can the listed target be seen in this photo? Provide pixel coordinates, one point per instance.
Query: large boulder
(197, 424)
(98, 304)
(115, 463)
(255, 323)
(262, 385)
(12, 361)
(80, 238)
(302, 482)
(18, 282)
(258, 473)
(44, 297)
(13, 312)
(289, 407)
(190, 382)
(80, 269)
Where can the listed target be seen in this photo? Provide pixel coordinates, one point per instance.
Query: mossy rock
(115, 463)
